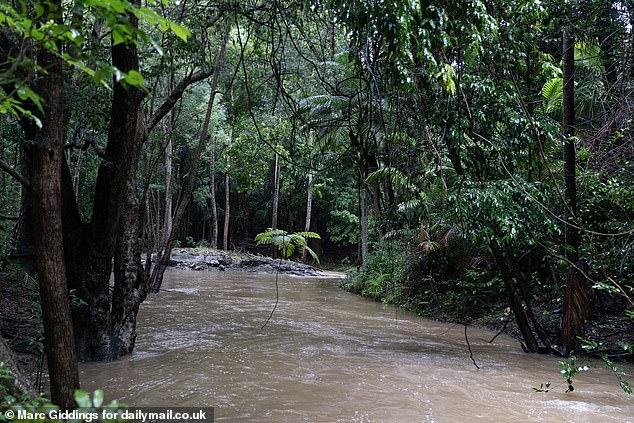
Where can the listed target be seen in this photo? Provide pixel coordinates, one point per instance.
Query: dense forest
(463, 159)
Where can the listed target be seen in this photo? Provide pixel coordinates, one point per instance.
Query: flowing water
(330, 356)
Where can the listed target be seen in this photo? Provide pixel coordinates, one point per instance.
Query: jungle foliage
(445, 149)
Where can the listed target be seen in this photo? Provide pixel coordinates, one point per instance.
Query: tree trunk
(46, 184)
(454, 154)
(246, 215)
(577, 308)
(80, 154)
(576, 299)
(130, 281)
(225, 235)
(212, 195)
(187, 191)
(376, 208)
(364, 217)
(568, 105)
(518, 306)
(311, 183)
(225, 238)
(167, 225)
(276, 190)
(93, 323)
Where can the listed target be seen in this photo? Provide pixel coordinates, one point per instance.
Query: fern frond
(313, 254)
(552, 96)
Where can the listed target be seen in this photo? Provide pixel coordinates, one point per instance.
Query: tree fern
(287, 243)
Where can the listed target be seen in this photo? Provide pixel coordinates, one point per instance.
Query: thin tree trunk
(363, 206)
(186, 193)
(46, 184)
(376, 207)
(568, 105)
(290, 223)
(276, 190)
(167, 225)
(332, 41)
(225, 238)
(576, 299)
(246, 215)
(311, 183)
(517, 305)
(80, 154)
(212, 194)
(225, 235)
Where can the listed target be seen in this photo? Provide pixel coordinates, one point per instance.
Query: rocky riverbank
(218, 260)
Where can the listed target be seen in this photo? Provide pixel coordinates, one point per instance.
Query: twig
(508, 319)
(9, 217)
(445, 332)
(469, 346)
(277, 294)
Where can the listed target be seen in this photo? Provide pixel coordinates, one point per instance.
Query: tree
(576, 302)
(309, 188)
(46, 179)
(225, 233)
(286, 244)
(104, 329)
(166, 249)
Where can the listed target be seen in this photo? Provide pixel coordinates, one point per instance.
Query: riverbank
(478, 298)
(207, 259)
(20, 327)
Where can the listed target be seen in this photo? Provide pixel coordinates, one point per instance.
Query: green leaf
(82, 399)
(313, 254)
(97, 398)
(308, 235)
(134, 78)
(117, 37)
(180, 31)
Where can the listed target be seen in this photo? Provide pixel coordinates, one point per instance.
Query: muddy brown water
(330, 356)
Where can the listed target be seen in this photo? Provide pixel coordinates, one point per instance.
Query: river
(330, 356)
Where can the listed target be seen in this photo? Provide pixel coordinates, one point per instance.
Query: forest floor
(20, 319)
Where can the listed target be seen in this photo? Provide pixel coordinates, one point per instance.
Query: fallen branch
(277, 294)
(508, 319)
(469, 346)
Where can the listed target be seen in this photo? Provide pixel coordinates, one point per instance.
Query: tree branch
(8, 217)
(101, 151)
(173, 98)
(14, 173)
